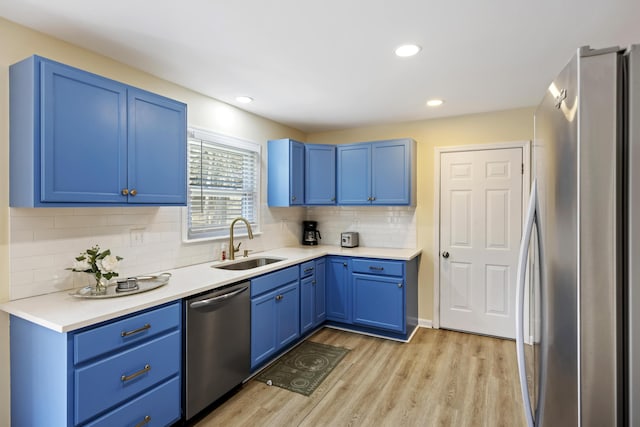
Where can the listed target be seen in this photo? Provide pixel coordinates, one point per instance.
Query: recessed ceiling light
(244, 99)
(435, 102)
(407, 50)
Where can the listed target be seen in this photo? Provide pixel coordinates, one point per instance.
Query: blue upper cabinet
(377, 173)
(285, 172)
(78, 139)
(320, 174)
(354, 174)
(393, 172)
(157, 139)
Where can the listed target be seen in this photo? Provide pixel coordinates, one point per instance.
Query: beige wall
(17, 43)
(502, 126)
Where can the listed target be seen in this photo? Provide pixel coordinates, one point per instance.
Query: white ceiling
(329, 64)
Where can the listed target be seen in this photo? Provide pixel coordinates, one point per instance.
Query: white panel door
(480, 228)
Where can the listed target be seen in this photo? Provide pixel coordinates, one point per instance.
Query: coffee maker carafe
(310, 233)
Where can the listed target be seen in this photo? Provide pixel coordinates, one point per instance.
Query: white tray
(145, 283)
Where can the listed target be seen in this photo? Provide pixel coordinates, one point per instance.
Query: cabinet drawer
(104, 384)
(271, 281)
(378, 267)
(307, 268)
(121, 333)
(161, 405)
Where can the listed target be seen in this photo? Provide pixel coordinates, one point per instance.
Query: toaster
(349, 239)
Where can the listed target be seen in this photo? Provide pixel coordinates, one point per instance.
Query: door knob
(445, 254)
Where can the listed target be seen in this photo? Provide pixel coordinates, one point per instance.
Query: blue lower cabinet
(275, 313)
(263, 328)
(376, 296)
(338, 289)
(307, 304)
(60, 379)
(157, 407)
(288, 315)
(124, 375)
(312, 296)
(378, 302)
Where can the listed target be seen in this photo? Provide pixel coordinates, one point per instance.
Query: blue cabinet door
(338, 289)
(263, 327)
(83, 136)
(288, 314)
(320, 293)
(378, 301)
(354, 174)
(320, 174)
(285, 172)
(391, 172)
(157, 149)
(307, 304)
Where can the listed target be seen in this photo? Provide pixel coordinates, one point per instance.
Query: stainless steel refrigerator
(577, 330)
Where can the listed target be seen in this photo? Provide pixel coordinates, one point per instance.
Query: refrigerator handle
(522, 268)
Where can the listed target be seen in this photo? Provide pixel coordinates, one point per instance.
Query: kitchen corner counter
(62, 312)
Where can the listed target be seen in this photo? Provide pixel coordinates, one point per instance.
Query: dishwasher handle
(214, 300)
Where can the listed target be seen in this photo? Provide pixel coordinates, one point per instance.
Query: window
(224, 183)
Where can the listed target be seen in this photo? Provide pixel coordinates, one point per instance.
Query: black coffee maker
(310, 233)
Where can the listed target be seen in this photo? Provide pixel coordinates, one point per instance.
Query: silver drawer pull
(146, 368)
(143, 422)
(306, 270)
(135, 331)
(373, 267)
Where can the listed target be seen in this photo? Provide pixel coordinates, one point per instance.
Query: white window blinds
(223, 184)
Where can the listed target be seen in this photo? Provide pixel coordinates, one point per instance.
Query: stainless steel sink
(248, 263)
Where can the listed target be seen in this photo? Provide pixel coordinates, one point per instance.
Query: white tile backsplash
(378, 226)
(44, 241)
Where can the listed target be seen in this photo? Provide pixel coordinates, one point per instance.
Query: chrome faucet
(232, 248)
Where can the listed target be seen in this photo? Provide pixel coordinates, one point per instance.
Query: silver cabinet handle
(144, 422)
(313, 282)
(399, 285)
(135, 331)
(146, 368)
(279, 297)
(376, 268)
(344, 264)
(306, 270)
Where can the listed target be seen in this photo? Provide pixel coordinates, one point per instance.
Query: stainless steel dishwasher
(217, 344)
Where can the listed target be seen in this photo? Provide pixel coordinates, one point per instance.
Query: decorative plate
(129, 286)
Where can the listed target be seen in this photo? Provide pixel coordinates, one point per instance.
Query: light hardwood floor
(440, 378)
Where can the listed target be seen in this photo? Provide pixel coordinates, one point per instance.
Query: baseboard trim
(425, 323)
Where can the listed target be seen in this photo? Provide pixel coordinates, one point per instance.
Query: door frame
(437, 153)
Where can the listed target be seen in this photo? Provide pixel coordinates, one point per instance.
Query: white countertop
(62, 312)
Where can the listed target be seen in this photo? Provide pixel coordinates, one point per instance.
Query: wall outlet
(136, 237)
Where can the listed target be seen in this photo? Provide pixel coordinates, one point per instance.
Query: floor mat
(304, 368)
